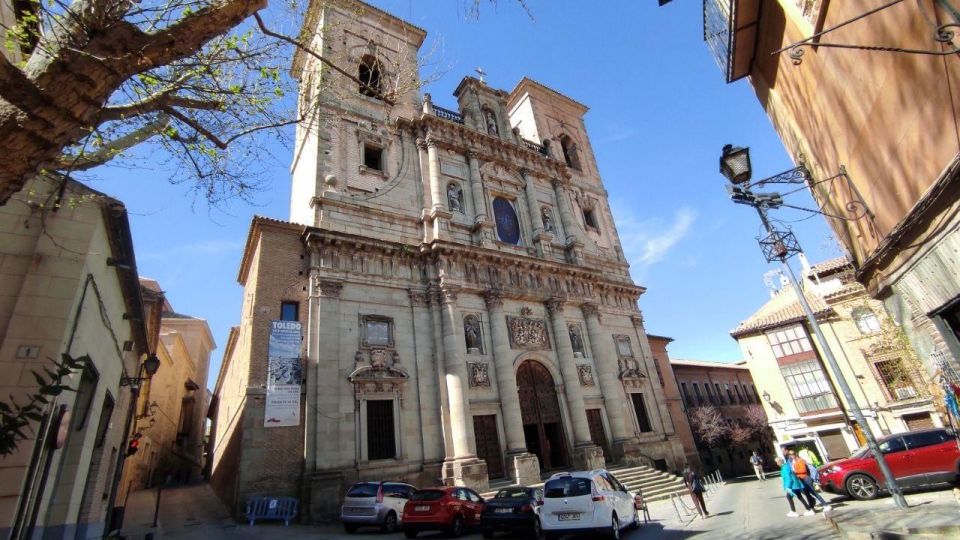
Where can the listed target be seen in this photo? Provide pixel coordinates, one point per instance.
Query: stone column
(573, 241)
(525, 468)
(424, 162)
(332, 452)
(614, 398)
(464, 468)
(586, 455)
(481, 221)
(436, 181)
(646, 359)
(540, 237)
(431, 421)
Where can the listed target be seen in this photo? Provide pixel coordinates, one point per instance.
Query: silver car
(375, 504)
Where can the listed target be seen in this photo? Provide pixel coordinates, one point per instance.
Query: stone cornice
(463, 139)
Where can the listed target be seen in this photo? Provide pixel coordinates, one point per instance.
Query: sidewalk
(931, 514)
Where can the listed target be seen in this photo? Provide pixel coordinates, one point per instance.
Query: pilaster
(525, 468)
(614, 398)
(586, 454)
(574, 240)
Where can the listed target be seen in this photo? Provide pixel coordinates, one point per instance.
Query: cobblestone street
(740, 509)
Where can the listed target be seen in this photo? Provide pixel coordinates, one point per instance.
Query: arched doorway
(540, 410)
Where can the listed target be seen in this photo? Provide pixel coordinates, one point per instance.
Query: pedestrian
(793, 487)
(811, 458)
(695, 487)
(757, 461)
(802, 470)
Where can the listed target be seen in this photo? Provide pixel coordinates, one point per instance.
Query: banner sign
(284, 375)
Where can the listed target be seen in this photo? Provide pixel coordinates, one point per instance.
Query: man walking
(757, 461)
(812, 460)
(695, 487)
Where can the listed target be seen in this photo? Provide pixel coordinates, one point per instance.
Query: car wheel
(389, 523)
(488, 533)
(861, 487)
(349, 528)
(410, 533)
(537, 529)
(614, 528)
(456, 528)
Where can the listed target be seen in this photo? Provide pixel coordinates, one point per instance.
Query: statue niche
(471, 334)
(455, 197)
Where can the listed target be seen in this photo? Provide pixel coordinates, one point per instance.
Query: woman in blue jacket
(793, 487)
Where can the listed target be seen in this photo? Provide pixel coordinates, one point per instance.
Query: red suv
(450, 509)
(916, 458)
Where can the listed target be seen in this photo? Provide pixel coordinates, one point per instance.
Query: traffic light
(133, 446)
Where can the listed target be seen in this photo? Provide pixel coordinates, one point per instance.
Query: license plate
(504, 510)
(422, 508)
(568, 516)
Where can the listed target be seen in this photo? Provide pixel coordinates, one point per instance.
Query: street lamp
(147, 370)
(780, 246)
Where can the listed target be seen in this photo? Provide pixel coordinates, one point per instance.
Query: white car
(586, 502)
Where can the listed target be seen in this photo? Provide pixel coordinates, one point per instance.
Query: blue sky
(659, 114)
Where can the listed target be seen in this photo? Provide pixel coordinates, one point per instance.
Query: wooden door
(488, 444)
(540, 411)
(597, 434)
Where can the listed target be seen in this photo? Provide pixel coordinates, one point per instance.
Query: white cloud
(649, 241)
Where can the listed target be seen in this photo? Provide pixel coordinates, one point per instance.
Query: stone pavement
(744, 508)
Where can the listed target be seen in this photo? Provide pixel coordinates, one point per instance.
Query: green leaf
(40, 380)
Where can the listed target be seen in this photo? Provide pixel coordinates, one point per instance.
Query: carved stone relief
(526, 333)
(479, 375)
(586, 375)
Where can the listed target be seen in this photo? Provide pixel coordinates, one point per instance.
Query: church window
(373, 157)
(508, 225)
(370, 75)
(289, 311)
(639, 407)
(590, 219)
(381, 439)
(866, 320)
(570, 153)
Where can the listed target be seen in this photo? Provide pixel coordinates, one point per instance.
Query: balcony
(730, 30)
(456, 117)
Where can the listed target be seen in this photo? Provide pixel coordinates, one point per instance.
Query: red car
(916, 458)
(450, 509)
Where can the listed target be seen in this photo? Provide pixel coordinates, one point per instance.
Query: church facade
(465, 307)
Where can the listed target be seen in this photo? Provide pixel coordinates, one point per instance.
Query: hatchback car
(515, 509)
(916, 458)
(375, 504)
(592, 502)
(450, 509)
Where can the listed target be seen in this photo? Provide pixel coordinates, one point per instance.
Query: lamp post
(780, 246)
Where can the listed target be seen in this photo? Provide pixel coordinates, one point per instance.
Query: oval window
(508, 226)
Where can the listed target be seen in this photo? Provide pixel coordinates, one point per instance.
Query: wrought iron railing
(535, 147)
(718, 33)
(447, 114)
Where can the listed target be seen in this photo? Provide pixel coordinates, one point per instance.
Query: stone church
(466, 309)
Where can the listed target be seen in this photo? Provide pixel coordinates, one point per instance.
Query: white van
(586, 502)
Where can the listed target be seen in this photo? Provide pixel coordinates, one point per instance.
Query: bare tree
(85, 80)
(709, 425)
(755, 419)
(739, 435)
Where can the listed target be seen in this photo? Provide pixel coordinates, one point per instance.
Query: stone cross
(482, 74)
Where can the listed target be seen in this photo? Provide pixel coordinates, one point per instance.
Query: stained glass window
(508, 226)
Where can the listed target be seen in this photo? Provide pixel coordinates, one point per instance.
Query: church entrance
(540, 410)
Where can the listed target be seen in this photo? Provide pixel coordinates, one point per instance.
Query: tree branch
(154, 103)
(196, 126)
(189, 34)
(112, 149)
(311, 52)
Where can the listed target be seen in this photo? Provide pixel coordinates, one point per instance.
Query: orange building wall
(658, 347)
(889, 118)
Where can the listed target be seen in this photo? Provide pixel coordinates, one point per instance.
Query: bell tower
(349, 155)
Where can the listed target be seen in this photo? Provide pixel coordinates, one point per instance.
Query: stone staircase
(654, 484)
